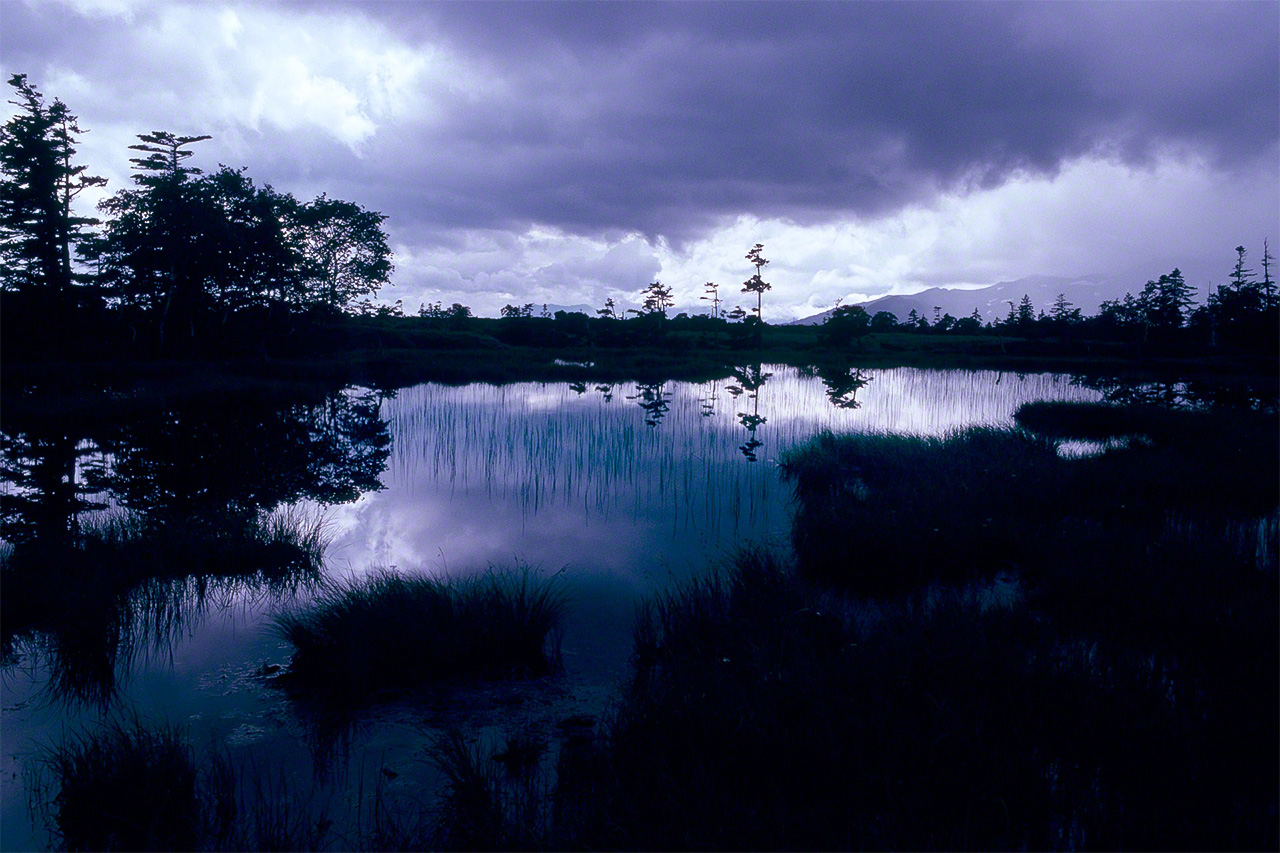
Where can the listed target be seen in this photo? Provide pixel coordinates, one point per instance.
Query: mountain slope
(992, 302)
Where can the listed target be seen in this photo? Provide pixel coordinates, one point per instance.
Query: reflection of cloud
(538, 473)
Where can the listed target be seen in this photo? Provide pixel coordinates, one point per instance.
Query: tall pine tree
(39, 181)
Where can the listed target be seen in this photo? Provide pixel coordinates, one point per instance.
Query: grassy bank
(134, 785)
(766, 712)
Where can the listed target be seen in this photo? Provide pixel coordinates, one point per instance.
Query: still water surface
(624, 487)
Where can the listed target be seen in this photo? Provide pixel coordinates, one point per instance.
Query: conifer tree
(39, 182)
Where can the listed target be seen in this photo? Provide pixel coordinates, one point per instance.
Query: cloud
(570, 152)
(1092, 216)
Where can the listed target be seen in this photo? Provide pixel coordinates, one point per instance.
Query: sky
(568, 153)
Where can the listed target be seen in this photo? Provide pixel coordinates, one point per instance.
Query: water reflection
(749, 379)
(1249, 395)
(843, 384)
(483, 473)
(197, 498)
(212, 503)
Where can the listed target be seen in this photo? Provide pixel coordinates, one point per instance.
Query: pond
(625, 488)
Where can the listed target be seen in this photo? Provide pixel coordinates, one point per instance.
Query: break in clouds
(566, 153)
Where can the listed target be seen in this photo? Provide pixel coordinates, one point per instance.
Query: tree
(1061, 310)
(884, 321)
(1240, 277)
(154, 252)
(345, 254)
(610, 310)
(756, 284)
(38, 184)
(250, 258)
(1026, 312)
(845, 324)
(1166, 299)
(657, 299)
(713, 296)
(1267, 285)
(970, 325)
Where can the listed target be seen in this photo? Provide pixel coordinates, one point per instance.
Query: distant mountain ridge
(992, 302)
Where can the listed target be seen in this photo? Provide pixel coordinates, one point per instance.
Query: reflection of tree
(209, 459)
(652, 398)
(709, 402)
(843, 385)
(202, 490)
(45, 491)
(606, 391)
(1201, 394)
(749, 379)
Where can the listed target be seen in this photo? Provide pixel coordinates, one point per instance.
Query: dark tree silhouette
(154, 252)
(847, 323)
(344, 252)
(657, 299)
(1267, 285)
(713, 296)
(38, 183)
(756, 284)
(610, 310)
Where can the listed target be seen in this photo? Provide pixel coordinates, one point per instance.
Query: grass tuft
(389, 631)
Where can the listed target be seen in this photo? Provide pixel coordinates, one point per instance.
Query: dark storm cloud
(665, 117)
(669, 119)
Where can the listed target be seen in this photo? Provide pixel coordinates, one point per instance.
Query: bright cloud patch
(1080, 222)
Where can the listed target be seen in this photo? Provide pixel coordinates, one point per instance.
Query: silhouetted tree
(713, 296)
(1165, 299)
(38, 183)
(757, 285)
(1026, 313)
(1268, 286)
(884, 321)
(344, 250)
(845, 324)
(1061, 310)
(1240, 276)
(609, 311)
(154, 251)
(657, 299)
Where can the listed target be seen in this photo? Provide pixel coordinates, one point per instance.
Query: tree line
(1242, 313)
(179, 256)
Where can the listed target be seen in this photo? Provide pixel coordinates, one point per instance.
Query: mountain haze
(992, 302)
